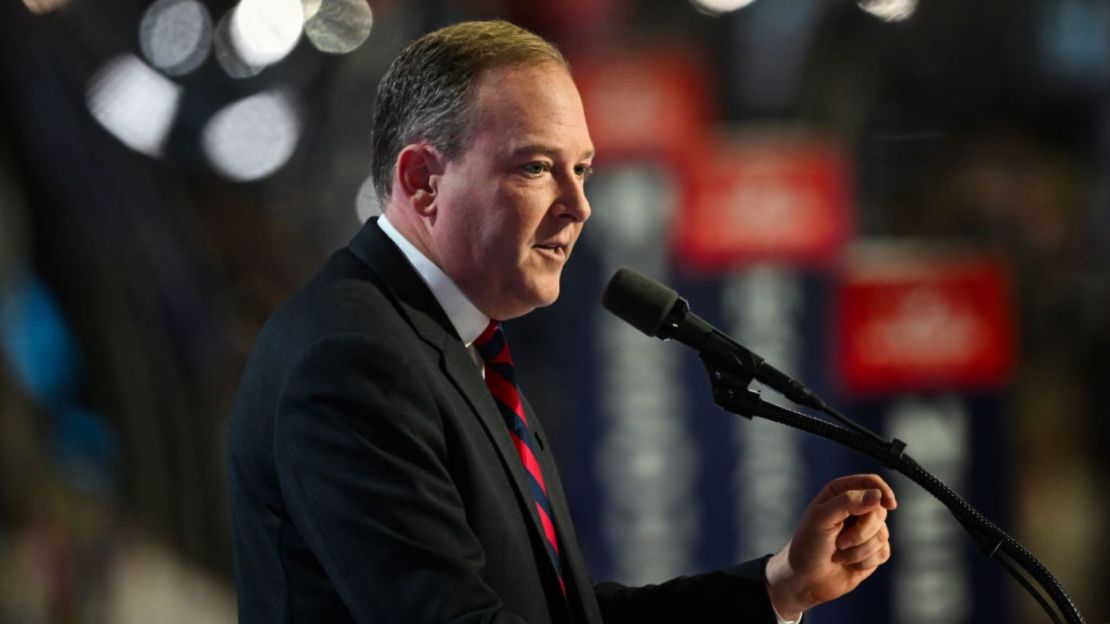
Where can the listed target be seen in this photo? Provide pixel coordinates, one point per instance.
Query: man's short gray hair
(427, 92)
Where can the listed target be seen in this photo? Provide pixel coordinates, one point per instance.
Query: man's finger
(840, 485)
(863, 551)
(874, 561)
(861, 528)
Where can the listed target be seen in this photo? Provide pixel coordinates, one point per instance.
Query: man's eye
(584, 171)
(536, 168)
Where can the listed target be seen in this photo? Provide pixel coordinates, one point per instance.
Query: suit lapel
(412, 297)
(423, 312)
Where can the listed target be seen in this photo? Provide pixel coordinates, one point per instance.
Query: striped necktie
(494, 349)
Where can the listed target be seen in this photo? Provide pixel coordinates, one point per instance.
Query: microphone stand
(730, 380)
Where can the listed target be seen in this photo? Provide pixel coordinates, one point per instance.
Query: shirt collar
(469, 322)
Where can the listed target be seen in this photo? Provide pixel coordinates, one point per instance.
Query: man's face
(511, 206)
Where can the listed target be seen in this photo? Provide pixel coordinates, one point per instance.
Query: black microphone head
(638, 300)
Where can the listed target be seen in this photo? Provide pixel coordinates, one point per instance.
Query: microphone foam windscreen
(638, 300)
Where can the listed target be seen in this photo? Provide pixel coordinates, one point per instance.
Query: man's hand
(840, 541)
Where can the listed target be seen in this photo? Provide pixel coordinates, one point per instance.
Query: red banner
(782, 200)
(646, 105)
(920, 322)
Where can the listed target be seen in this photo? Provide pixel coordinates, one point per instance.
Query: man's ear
(419, 167)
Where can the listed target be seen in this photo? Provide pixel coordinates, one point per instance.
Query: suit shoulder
(342, 306)
(342, 299)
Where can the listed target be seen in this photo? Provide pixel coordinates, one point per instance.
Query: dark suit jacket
(373, 480)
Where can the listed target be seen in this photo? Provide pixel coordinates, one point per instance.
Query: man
(377, 474)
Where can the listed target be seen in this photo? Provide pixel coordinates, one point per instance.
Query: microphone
(658, 311)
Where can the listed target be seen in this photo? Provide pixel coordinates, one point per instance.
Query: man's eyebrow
(539, 148)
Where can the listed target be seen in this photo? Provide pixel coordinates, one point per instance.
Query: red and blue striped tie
(494, 349)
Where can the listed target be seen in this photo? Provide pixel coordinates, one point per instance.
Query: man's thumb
(870, 497)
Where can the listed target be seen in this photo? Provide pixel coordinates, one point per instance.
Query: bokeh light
(889, 10)
(337, 26)
(41, 7)
(227, 54)
(718, 7)
(252, 138)
(135, 103)
(265, 31)
(176, 35)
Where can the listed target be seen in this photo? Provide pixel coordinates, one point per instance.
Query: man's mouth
(557, 251)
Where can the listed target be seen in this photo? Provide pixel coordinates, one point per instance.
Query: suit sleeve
(360, 456)
(734, 595)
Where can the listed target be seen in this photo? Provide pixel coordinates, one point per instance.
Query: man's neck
(465, 317)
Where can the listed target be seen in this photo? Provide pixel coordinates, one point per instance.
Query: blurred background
(902, 202)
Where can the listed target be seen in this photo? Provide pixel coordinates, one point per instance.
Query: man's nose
(573, 200)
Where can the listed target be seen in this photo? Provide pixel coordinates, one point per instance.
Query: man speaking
(384, 465)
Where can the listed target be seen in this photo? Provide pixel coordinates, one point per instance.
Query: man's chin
(531, 299)
(549, 292)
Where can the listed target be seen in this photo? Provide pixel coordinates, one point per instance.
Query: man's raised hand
(840, 541)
